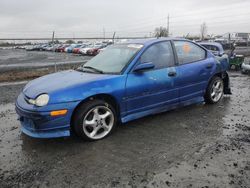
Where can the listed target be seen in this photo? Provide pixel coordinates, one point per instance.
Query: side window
(160, 54)
(188, 52)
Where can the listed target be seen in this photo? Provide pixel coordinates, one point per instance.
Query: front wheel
(214, 90)
(94, 120)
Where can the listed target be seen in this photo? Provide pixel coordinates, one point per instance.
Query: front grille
(28, 123)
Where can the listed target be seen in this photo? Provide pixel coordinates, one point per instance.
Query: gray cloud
(79, 18)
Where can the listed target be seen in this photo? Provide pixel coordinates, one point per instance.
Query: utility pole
(229, 40)
(168, 25)
(104, 33)
(53, 37)
(114, 38)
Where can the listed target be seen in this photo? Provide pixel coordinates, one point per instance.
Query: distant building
(240, 37)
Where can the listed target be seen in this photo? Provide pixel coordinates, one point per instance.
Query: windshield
(113, 59)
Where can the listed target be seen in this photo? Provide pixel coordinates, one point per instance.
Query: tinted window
(188, 52)
(160, 54)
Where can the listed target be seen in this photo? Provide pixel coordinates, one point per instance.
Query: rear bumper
(39, 124)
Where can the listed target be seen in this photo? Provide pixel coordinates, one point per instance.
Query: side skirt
(160, 109)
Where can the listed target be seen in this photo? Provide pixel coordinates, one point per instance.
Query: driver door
(149, 89)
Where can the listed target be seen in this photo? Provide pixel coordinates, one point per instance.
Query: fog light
(58, 112)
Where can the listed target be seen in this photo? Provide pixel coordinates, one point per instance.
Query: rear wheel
(214, 90)
(94, 120)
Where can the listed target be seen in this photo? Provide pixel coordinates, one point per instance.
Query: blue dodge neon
(125, 82)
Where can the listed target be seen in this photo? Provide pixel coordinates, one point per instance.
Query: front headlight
(42, 100)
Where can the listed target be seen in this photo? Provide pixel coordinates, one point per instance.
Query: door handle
(172, 74)
(209, 66)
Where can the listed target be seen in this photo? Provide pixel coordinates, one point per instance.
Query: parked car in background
(245, 67)
(29, 48)
(77, 49)
(217, 50)
(33, 47)
(84, 50)
(125, 82)
(214, 47)
(49, 47)
(69, 49)
(57, 47)
(62, 48)
(94, 51)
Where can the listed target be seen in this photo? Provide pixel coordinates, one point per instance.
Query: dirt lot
(18, 64)
(197, 146)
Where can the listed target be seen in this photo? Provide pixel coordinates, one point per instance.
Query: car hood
(61, 82)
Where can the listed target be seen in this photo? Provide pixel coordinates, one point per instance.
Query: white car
(245, 67)
(84, 50)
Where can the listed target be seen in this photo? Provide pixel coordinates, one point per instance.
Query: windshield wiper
(82, 70)
(92, 68)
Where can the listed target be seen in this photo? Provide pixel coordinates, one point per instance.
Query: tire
(214, 92)
(94, 120)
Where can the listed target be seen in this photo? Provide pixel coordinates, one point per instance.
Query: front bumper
(39, 124)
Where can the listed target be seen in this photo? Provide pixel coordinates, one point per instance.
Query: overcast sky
(90, 18)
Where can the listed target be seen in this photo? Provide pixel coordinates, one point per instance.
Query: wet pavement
(196, 146)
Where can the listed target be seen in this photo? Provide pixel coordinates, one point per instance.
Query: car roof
(217, 44)
(149, 41)
(210, 43)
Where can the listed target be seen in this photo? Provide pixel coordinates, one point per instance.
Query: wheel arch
(106, 97)
(225, 77)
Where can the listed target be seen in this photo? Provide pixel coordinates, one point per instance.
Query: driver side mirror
(144, 66)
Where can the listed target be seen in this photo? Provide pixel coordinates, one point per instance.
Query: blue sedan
(125, 82)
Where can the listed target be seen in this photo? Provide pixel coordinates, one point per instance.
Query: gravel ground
(196, 146)
(20, 56)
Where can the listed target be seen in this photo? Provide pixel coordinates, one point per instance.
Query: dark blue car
(125, 82)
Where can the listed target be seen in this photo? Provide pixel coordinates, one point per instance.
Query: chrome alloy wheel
(98, 122)
(217, 90)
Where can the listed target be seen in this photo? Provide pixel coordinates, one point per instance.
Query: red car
(95, 50)
(77, 50)
(61, 48)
